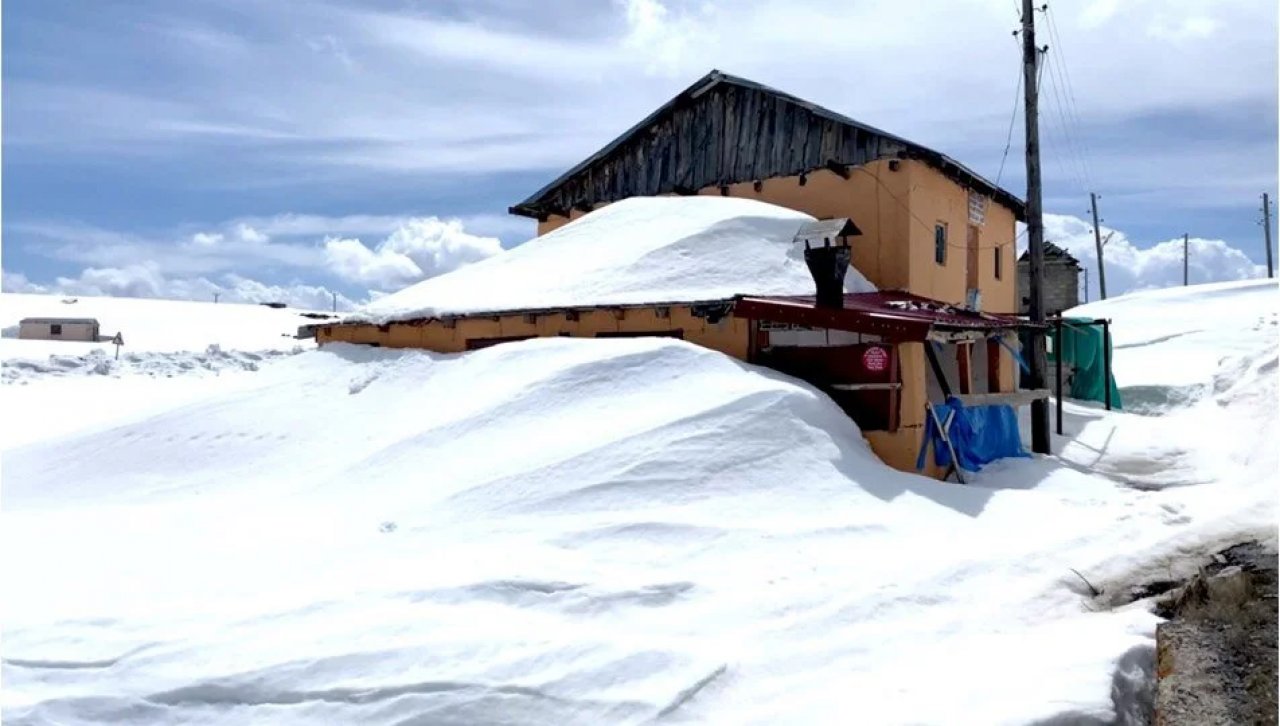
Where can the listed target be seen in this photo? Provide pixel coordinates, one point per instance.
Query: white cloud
(420, 248)
(412, 248)
(1131, 268)
(147, 281)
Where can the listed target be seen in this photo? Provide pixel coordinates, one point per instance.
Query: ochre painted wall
(934, 199)
(729, 336)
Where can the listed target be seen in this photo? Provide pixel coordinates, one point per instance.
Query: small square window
(999, 263)
(940, 243)
(55, 329)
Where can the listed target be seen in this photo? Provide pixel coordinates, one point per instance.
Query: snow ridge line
(101, 363)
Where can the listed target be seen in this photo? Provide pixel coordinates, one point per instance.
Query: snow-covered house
(930, 226)
(733, 275)
(694, 224)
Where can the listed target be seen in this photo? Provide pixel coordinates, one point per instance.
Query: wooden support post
(937, 369)
(1106, 362)
(993, 365)
(1057, 365)
(894, 393)
(962, 364)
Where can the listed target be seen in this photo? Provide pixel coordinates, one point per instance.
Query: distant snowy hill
(149, 325)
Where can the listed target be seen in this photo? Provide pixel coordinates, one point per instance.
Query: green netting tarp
(1081, 347)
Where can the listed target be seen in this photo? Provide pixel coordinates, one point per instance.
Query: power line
(1013, 117)
(926, 225)
(1041, 63)
(1069, 91)
(1073, 153)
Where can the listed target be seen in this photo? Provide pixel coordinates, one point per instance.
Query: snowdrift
(639, 250)
(149, 325)
(559, 530)
(599, 531)
(1171, 343)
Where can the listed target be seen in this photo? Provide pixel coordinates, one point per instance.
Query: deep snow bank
(638, 250)
(567, 531)
(1176, 345)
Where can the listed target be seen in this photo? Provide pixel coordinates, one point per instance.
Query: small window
(55, 329)
(999, 263)
(940, 243)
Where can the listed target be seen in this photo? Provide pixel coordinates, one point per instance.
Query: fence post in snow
(1106, 362)
(1266, 231)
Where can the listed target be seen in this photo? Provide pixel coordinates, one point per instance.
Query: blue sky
(292, 149)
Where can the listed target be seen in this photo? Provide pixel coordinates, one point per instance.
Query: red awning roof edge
(898, 316)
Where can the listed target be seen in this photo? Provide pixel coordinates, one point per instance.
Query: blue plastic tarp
(979, 435)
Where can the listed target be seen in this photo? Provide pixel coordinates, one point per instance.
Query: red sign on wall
(875, 359)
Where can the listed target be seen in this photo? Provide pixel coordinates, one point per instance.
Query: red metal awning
(896, 316)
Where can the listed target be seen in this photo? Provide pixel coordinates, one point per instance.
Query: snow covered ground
(65, 386)
(638, 250)
(1171, 341)
(602, 531)
(146, 325)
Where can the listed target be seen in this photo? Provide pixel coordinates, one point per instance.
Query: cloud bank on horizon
(236, 115)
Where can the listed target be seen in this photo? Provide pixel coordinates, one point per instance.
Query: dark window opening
(999, 263)
(871, 397)
(55, 329)
(642, 334)
(478, 343)
(940, 243)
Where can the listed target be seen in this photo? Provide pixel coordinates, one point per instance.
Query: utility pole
(216, 295)
(1035, 227)
(1184, 258)
(1266, 231)
(335, 302)
(1086, 284)
(1097, 240)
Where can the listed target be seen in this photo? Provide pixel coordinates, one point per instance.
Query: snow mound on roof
(639, 250)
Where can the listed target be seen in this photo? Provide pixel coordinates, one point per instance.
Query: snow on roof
(638, 250)
(63, 321)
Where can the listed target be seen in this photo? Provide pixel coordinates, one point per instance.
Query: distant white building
(83, 329)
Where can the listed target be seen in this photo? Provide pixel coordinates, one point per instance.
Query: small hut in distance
(78, 329)
(1061, 281)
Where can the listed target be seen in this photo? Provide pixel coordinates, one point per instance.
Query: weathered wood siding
(730, 134)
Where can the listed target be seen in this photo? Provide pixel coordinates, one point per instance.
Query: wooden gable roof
(726, 130)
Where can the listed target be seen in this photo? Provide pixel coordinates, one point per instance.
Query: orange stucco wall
(729, 335)
(934, 199)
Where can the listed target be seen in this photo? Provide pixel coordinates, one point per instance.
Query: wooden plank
(776, 139)
(993, 364)
(889, 386)
(749, 141)
(895, 376)
(729, 149)
(962, 364)
(1012, 398)
(714, 140)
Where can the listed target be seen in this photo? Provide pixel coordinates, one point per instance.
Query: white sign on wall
(977, 208)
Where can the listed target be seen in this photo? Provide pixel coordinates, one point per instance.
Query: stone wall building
(1061, 281)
